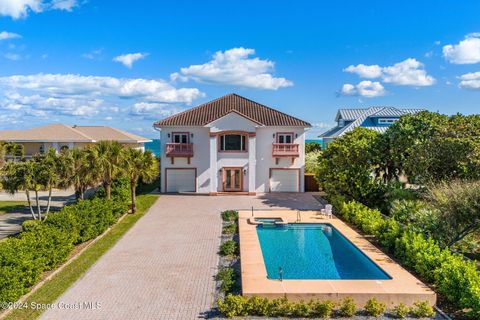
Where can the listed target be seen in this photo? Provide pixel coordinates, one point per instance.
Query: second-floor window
(180, 137)
(284, 138)
(232, 142)
(387, 120)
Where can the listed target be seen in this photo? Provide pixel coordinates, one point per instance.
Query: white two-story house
(232, 145)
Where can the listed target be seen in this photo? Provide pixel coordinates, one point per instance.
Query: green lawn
(54, 288)
(10, 206)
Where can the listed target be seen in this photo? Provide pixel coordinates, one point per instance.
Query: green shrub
(42, 246)
(400, 311)
(227, 277)
(257, 306)
(301, 309)
(280, 307)
(348, 308)
(230, 229)
(229, 248)
(230, 215)
(322, 309)
(423, 310)
(387, 233)
(233, 306)
(375, 308)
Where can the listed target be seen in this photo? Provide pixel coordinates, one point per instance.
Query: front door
(232, 179)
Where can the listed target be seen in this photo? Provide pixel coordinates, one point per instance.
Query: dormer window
(387, 120)
(341, 123)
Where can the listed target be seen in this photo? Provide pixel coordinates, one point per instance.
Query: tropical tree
(106, 161)
(458, 205)
(347, 167)
(2, 154)
(139, 165)
(14, 150)
(312, 146)
(83, 175)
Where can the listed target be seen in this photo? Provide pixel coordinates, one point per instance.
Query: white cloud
(364, 71)
(154, 110)
(470, 81)
(20, 8)
(235, 67)
(48, 95)
(409, 72)
(12, 56)
(366, 88)
(128, 59)
(71, 84)
(466, 51)
(4, 35)
(94, 54)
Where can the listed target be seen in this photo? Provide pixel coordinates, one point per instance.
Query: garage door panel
(180, 180)
(284, 180)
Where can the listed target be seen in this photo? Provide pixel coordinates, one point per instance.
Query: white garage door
(284, 181)
(180, 180)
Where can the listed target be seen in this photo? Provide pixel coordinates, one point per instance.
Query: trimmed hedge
(42, 246)
(455, 278)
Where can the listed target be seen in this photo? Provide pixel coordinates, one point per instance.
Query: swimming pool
(314, 251)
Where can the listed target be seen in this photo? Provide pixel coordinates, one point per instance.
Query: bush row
(42, 246)
(456, 279)
(240, 306)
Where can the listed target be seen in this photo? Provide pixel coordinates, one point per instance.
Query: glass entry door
(232, 179)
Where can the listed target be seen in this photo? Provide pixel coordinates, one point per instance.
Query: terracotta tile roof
(215, 109)
(64, 133)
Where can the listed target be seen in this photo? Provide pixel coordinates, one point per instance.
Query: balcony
(285, 150)
(179, 150)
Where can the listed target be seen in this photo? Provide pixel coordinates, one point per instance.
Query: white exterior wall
(200, 159)
(256, 163)
(265, 161)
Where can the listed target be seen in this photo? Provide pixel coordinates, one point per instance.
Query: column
(252, 163)
(213, 164)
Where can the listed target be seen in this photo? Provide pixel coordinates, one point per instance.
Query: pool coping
(402, 288)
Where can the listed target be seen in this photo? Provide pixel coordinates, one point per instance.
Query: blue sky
(127, 64)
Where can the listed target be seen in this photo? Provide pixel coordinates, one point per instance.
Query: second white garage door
(180, 180)
(284, 180)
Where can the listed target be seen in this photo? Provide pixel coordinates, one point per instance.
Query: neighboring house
(60, 137)
(375, 118)
(232, 144)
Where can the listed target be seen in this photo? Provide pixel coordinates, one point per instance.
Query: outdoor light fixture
(191, 135)
(244, 171)
(168, 135)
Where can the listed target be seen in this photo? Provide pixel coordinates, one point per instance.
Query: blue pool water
(314, 251)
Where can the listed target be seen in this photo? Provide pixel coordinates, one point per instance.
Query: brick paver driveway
(163, 268)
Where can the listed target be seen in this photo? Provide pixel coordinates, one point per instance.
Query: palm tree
(139, 165)
(2, 154)
(14, 150)
(105, 158)
(83, 175)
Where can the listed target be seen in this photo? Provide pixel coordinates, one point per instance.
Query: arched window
(64, 148)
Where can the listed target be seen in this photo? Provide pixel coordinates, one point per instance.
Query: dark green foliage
(229, 248)
(375, 308)
(230, 229)
(227, 277)
(230, 215)
(44, 245)
(322, 309)
(347, 168)
(348, 308)
(312, 147)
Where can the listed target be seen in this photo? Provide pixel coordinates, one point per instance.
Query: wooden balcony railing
(285, 150)
(179, 150)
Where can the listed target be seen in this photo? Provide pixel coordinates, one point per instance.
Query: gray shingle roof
(358, 116)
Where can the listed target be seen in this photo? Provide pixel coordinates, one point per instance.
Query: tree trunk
(30, 204)
(39, 210)
(48, 202)
(108, 190)
(134, 197)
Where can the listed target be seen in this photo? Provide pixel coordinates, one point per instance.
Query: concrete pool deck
(402, 288)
